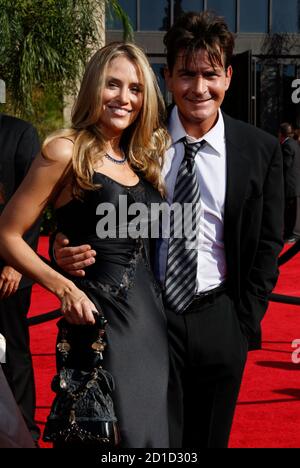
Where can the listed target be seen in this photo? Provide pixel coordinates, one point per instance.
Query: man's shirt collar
(214, 138)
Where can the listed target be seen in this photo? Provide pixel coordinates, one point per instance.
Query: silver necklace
(116, 161)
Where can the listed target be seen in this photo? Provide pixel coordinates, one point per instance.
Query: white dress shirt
(211, 170)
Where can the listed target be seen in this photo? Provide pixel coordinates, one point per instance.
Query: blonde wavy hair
(145, 141)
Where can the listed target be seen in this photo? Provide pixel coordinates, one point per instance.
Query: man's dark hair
(286, 129)
(194, 31)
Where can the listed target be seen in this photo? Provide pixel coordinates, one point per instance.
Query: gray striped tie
(181, 272)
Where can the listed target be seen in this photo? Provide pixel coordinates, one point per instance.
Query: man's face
(198, 90)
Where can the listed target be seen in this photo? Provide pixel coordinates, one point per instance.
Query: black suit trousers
(18, 368)
(208, 352)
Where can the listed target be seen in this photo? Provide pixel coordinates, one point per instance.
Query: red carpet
(268, 411)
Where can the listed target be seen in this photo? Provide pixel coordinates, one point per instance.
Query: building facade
(267, 62)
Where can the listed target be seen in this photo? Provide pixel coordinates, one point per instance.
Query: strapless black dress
(122, 284)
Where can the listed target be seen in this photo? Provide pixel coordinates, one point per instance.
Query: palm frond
(115, 8)
(45, 44)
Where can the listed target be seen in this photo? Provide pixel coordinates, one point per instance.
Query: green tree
(44, 45)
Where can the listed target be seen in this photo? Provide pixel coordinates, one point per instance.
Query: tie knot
(191, 149)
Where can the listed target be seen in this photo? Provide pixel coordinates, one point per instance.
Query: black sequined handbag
(82, 413)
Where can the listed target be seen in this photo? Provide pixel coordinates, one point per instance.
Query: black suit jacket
(291, 167)
(19, 144)
(253, 220)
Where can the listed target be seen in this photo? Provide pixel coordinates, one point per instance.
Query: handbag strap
(98, 346)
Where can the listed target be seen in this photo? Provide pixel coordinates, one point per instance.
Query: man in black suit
(19, 144)
(217, 293)
(239, 170)
(291, 170)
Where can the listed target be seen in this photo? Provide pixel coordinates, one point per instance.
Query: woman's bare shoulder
(59, 150)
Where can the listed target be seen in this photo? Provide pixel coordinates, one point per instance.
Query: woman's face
(122, 97)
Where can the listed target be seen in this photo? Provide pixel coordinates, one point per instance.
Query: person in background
(296, 135)
(291, 171)
(19, 144)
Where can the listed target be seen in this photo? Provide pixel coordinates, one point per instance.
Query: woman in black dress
(99, 173)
